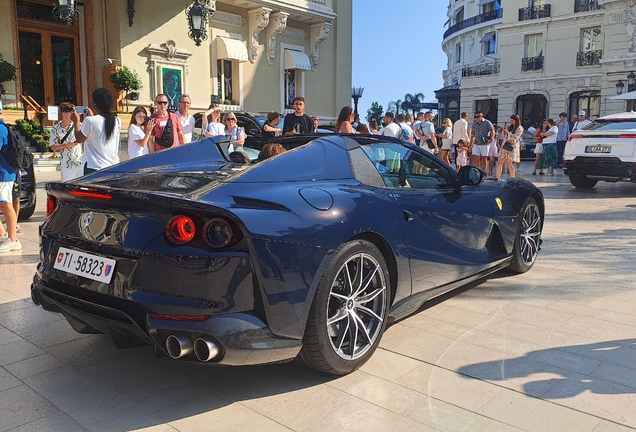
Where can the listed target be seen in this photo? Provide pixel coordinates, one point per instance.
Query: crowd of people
(89, 141)
(484, 145)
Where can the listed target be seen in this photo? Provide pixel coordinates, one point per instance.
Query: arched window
(532, 108)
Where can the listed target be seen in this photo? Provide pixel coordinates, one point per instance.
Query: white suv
(603, 150)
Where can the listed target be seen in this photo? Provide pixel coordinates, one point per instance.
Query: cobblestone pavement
(551, 350)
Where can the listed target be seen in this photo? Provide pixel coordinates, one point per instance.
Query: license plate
(83, 264)
(598, 149)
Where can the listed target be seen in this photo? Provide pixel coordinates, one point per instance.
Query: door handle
(408, 216)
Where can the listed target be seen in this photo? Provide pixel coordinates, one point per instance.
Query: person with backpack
(9, 238)
(168, 131)
(99, 132)
(425, 131)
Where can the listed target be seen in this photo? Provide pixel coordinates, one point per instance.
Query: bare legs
(511, 166)
(11, 219)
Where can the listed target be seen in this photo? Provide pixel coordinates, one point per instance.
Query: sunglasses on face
(161, 102)
(230, 119)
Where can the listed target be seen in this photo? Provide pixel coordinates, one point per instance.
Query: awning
(232, 49)
(625, 96)
(487, 37)
(297, 60)
(484, 2)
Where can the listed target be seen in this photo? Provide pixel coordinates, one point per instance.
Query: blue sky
(397, 49)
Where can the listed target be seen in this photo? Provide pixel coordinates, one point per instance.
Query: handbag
(429, 143)
(166, 139)
(508, 146)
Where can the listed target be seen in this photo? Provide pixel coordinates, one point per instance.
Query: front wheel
(528, 238)
(582, 182)
(349, 312)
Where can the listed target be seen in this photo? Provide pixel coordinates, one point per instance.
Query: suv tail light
(627, 136)
(575, 136)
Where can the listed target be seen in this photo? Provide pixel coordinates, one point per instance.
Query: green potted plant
(7, 73)
(234, 102)
(226, 102)
(126, 80)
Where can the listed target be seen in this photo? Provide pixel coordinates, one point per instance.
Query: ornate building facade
(538, 58)
(258, 54)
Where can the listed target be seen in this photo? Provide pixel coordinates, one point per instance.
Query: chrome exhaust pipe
(205, 349)
(178, 346)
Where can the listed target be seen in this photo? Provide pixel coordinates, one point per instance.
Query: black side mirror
(471, 176)
(253, 131)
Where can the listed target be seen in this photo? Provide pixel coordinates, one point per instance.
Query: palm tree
(395, 106)
(412, 102)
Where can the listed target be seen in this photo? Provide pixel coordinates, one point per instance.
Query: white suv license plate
(83, 264)
(598, 149)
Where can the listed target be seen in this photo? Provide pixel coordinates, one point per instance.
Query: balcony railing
(585, 5)
(531, 63)
(588, 58)
(535, 12)
(477, 19)
(481, 70)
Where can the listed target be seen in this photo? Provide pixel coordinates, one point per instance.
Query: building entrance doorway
(49, 54)
(532, 109)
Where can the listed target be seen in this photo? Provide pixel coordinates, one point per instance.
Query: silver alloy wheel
(357, 306)
(530, 236)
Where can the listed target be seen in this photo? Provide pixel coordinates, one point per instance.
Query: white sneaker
(4, 238)
(8, 246)
(519, 170)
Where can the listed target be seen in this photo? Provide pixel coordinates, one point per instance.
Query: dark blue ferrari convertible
(306, 254)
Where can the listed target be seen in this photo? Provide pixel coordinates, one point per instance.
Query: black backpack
(167, 137)
(15, 152)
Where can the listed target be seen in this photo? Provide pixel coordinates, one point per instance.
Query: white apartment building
(538, 58)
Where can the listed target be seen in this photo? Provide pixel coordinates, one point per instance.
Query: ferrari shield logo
(499, 203)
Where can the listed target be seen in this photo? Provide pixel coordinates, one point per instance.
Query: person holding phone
(63, 140)
(139, 133)
(298, 122)
(99, 132)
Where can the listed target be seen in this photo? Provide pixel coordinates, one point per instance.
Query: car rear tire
(582, 182)
(528, 238)
(26, 213)
(349, 313)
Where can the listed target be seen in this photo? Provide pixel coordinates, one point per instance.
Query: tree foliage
(412, 102)
(376, 112)
(7, 71)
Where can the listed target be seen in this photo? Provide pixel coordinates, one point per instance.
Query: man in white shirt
(187, 121)
(581, 122)
(407, 133)
(460, 129)
(418, 119)
(391, 129)
(425, 131)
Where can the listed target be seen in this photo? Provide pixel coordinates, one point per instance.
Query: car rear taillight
(180, 229)
(575, 137)
(90, 193)
(627, 136)
(218, 233)
(51, 204)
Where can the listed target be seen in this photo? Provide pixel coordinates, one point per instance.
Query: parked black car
(27, 193)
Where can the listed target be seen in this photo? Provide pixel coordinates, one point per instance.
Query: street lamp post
(356, 94)
(66, 11)
(198, 14)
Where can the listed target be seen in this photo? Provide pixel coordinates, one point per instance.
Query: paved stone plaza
(551, 350)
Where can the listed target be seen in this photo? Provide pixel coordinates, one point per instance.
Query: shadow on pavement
(604, 369)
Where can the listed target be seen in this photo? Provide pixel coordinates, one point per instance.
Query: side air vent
(259, 204)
